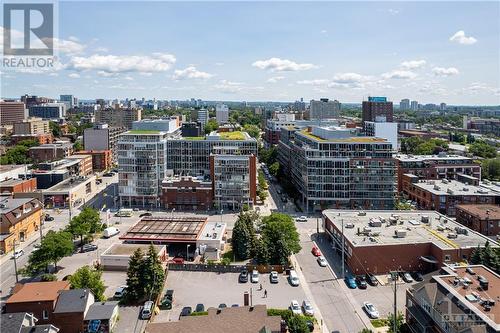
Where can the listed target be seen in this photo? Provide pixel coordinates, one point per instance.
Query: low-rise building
(444, 195)
(71, 308)
(435, 167)
(12, 171)
(102, 137)
(32, 126)
(104, 315)
(12, 186)
(51, 152)
(101, 159)
(41, 139)
(379, 242)
(38, 298)
(84, 163)
(71, 192)
(483, 218)
(19, 219)
(187, 193)
(23, 322)
(460, 299)
(117, 256)
(245, 319)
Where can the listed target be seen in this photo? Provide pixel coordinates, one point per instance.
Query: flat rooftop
(10, 167)
(354, 139)
(213, 231)
(437, 230)
(166, 229)
(453, 187)
(472, 296)
(69, 184)
(483, 211)
(129, 249)
(12, 182)
(421, 158)
(9, 204)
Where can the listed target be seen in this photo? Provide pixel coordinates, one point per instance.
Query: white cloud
(323, 31)
(107, 74)
(480, 87)
(460, 38)
(74, 38)
(230, 87)
(399, 74)
(74, 75)
(158, 62)
(101, 49)
(393, 11)
(190, 73)
(413, 64)
(315, 82)
(282, 65)
(275, 79)
(219, 64)
(442, 71)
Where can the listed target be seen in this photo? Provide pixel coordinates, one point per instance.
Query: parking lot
(212, 289)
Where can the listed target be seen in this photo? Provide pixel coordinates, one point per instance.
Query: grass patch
(237, 135)
(379, 322)
(194, 138)
(143, 132)
(201, 313)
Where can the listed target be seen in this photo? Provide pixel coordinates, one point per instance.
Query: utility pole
(15, 260)
(395, 278)
(343, 255)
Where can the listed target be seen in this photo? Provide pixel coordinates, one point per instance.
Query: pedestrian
(265, 293)
(260, 287)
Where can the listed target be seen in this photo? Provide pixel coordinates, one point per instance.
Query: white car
(371, 310)
(301, 219)
(254, 277)
(273, 277)
(17, 254)
(295, 307)
(322, 261)
(120, 291)
(308, 309)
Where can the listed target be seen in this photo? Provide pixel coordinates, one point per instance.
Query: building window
(45, 314)
(447, 257)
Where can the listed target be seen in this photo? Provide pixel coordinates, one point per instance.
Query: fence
(225, 268)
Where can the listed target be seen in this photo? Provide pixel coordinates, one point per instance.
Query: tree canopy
(490, 169)
(280, 238)
(419, 146)
(88, 278)
(482, 149)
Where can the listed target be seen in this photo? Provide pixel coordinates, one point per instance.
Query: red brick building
(481, 218)
(38, 298)
(382, 241)
(444, 195)
(101, 159)
(187, 193)
(42, 139)
(18, 185)
(436, 167)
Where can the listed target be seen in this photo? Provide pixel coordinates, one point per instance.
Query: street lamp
(173, 210)
(15, 260)
(187, 251)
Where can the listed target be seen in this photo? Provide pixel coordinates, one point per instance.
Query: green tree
(88, 278)
(261, 252)
(84, 224)
(77, 146)
(281, 237)
(297, 324)
(490, 169)
(366, 330)
(482, 149)
(78, 227)
(92, 217)
(211, 126)
(55, 129)
(241, 240)
(16, 155)
(57, 245)
(262, 194)
(268, 156)
(252, 130)
(135, 288)
(152, 273)
(274, 169)
(399, 322)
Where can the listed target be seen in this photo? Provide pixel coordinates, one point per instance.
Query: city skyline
(430, 52)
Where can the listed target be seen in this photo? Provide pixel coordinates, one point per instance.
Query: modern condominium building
(11, 112)
(377, 109)
(324, 109)
(118, 117)
(336, 167)
(142, 167)
(102, 137)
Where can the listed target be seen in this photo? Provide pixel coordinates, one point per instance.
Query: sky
(273, 51)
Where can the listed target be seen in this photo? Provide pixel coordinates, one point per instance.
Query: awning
(429, 259)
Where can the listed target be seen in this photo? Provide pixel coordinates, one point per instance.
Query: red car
(315, 251)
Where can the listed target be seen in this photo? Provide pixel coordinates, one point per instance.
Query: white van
(147, 310)
(294, 279)
(125, 212)
(110, 232)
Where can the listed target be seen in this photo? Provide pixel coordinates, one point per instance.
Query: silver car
(308, 309)
(370, 310)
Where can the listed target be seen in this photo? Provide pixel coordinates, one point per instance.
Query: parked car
(88, 248)
(315, 251)
(255, 276)
(222, 306)
(361, 282)
(370, 310)
(235, 306)
(37, 246)
(322, 261)
(273, 277)
(295, 307)
(371, 279)
(48, 218)
(186, 311)
(407, 277)
(417, 276)
(199, 308)
(145, 214)
(294, 278)
(147, 310)
(120, 291)
(177, 260)
(108, 174)
(310, 325)
(350, 281)
(135, 209)
(301, 219)
(17, 254)
(307, 307)
(243, 278)
(110, 232)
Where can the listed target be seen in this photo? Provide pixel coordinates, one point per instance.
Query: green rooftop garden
(237, 135)
(194, 138)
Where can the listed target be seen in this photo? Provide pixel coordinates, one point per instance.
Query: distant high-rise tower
(404, 104)
(377, 109)
(222, 113)
(324, 109)
(414, 105)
